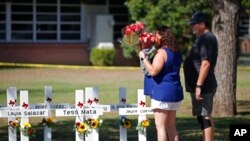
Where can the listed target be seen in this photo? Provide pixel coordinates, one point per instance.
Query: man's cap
(198, 17)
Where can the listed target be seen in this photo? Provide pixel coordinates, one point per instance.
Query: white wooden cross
(122, 104)
(122, 101)
(92, 99)
(141, 111)
(23, 111)
(11, 102)
(79, 103)
(47, 101)
(48, 104)
(80, 111)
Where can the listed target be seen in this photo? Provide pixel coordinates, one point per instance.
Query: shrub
(102, 57)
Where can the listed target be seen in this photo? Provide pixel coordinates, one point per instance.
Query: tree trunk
(225, 28)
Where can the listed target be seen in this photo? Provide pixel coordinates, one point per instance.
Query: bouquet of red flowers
(135, 38)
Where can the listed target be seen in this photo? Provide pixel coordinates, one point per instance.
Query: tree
(174, 13)
(225, 17)
(225, 27)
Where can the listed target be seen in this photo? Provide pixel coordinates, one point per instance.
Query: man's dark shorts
(203, 107)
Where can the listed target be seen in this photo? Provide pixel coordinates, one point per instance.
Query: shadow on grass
(243, 106)
(187, 126)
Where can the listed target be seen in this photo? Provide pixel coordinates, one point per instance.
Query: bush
(102, 57)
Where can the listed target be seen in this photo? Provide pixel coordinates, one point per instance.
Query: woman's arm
(157, 64)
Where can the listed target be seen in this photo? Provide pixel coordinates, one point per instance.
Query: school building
(59, 31)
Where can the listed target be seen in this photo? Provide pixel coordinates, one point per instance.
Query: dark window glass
(118, 10)
(2, 8)
(71, 18)
(2, 17)
(121, 18)
(67, 9)
(70, 27)
(2, 36)
(46, 27)
(22, 1)
(46, 17)
(21, 17)
(22, 27)
(22, 8)
(116, 2)
(21, 36)
(70, 36)
(95, 2)
(47, 1)
(43, 36)
(46, 9)
(70, 1)
(117, 35)
(118, 27)
(2, 27)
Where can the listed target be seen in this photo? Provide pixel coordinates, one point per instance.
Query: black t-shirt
(204, 48)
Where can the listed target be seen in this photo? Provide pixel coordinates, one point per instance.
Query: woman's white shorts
(155, 104)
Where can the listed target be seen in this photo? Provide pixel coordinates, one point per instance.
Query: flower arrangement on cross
(125, 122)
(14, 124)
(27, 130)
(87, 126)
(143, 124)
(49, 122)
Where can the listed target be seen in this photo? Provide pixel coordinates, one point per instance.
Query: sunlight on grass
(65, 81)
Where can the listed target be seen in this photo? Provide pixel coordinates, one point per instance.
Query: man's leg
(207, 127)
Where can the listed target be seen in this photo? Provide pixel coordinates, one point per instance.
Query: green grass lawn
(108, 81)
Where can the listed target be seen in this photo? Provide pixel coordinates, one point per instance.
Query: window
(46, 20)
(244, 27)
(21, 21)
(2, 22)
(71, 20)
(40, 21)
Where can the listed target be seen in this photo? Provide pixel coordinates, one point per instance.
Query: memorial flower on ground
(82, 128)
(124, 122)
(94, 123)
(143, 124)
(49, 121)
(27, 130)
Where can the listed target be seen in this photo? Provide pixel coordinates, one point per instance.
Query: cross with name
(23, 112)
(141, 111)
(90, 109)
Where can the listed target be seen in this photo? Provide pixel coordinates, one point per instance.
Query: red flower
(30, 131)
(146, 40)
(138, 28)
(127, 30)
(89, 120)
(136, 38)
(78, 124)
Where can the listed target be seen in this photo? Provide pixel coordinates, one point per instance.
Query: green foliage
(173, 13)
(102, 57)
(245, 7)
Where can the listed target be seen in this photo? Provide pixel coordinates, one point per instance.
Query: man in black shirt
(199, 74)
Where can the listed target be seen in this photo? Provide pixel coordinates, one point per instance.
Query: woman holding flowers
(165, 87)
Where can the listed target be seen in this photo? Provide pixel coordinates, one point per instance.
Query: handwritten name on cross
(141, 111)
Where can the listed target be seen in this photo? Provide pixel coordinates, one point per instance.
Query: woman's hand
(142, 55)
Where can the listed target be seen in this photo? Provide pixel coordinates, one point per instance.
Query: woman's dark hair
(167, 37)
